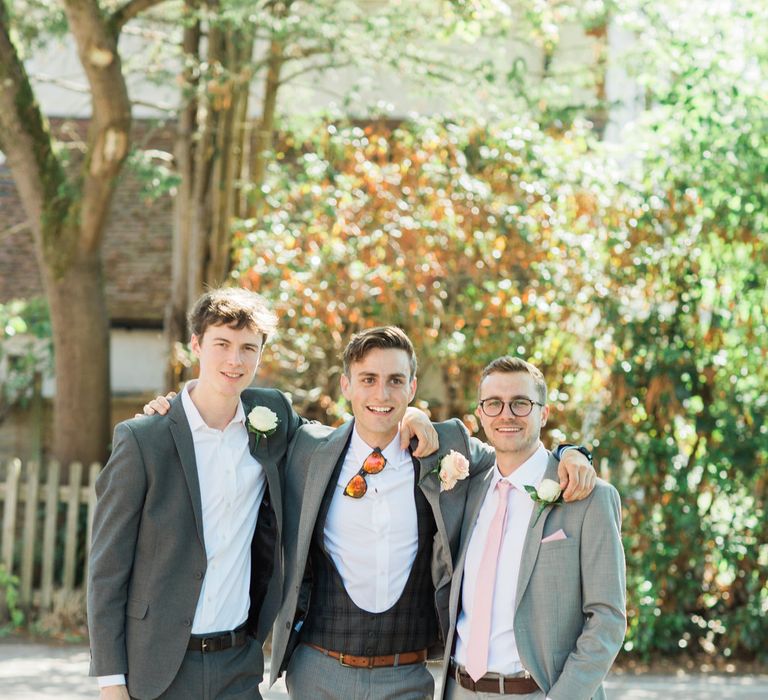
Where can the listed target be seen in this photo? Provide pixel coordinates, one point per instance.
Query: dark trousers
(233, 674)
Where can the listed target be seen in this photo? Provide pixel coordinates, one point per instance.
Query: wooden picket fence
(41, 515)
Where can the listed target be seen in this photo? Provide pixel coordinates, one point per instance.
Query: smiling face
(229, 358)
(514, 438)
(379, 388)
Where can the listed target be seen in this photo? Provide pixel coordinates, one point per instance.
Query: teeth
(379, 409)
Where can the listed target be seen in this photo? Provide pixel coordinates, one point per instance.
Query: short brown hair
(233, 307)
(385, 337)
(508, 364)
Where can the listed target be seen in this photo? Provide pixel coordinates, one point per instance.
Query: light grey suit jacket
(311, 462)
(570, 614)
(148, 556)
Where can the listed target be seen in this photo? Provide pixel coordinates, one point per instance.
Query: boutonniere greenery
(450, 469)
(263, 422)
(547, 493)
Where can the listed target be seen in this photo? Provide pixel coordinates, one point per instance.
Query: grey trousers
(311, 675)
(453, 691)
(233, 674)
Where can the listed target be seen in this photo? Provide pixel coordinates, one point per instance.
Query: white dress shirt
(503, 655)
(373, 540)
(232, 485)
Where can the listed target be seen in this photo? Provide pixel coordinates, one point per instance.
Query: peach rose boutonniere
(451, 469)
(263, 422)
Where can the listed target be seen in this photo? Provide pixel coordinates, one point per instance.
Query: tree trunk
(175, 322)
(81, 340)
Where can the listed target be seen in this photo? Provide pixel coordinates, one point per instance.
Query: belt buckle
(341, 660)
(204, 642)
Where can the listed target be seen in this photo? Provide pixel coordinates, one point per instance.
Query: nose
(507, 409)
(235, 356)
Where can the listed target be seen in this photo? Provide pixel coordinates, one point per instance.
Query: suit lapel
(262, 453)
(478, 488)
(185, 446)
(322, 463)
(430, 487)
(533, 537)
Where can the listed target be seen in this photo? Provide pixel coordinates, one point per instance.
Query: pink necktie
(480, 624)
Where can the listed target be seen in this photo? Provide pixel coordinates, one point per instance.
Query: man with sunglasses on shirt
(369, 537)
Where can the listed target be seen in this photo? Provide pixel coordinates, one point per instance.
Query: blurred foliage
(635, 277)
(638, 285)
(11, 616)
(25, 350)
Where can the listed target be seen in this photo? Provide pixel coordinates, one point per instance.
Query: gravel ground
(30, 671)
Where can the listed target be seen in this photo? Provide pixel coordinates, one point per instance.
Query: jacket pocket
(136, 608)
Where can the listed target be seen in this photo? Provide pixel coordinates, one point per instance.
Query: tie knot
(503, 486)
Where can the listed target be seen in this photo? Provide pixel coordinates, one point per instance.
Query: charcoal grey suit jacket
(148, 556)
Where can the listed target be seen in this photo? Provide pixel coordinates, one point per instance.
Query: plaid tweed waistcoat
(335, 622)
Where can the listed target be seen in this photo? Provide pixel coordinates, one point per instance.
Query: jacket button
(188, 623)
(198, 575)
(287, 625)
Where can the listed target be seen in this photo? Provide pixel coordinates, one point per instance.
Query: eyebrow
(374, 374)
(515, 397)
(227, 340)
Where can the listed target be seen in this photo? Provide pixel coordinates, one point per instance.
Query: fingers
(159, 405)
(577, 477)
(428, 443)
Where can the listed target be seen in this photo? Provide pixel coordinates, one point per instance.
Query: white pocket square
(555, 536)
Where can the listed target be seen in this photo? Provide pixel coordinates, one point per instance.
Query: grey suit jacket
(148, 556)
(570, 614)
(311, 462)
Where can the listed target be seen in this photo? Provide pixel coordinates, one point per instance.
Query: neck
(509, 462)
(374, 440)
(216, 410)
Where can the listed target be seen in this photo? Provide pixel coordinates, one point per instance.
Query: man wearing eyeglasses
(368, 554)
(537, 600)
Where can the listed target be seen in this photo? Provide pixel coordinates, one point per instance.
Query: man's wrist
(561, 449)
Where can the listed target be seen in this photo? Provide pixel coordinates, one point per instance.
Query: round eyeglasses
(519, 407)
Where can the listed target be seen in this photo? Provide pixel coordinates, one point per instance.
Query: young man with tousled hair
(369, 537)
(185, 569)
(537, 597)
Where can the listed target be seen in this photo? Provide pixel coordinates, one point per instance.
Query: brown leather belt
(515, 685)
(218, 641)
(405, 658)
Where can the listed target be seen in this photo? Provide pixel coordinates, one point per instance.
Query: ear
(344, 384)
(544, 415)
(412, 393)
(194, 343)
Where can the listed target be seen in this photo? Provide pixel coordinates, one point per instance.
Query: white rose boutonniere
(263, 422)
(451, 468)
(548, 493)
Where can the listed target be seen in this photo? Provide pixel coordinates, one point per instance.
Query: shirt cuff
(117, 679)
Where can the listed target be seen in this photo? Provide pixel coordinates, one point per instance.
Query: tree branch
(127, 12)
(25, 140)
(109, 130)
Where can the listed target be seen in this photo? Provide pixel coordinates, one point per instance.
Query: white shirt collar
(392, 452)
(530, 472)
(194, 418)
